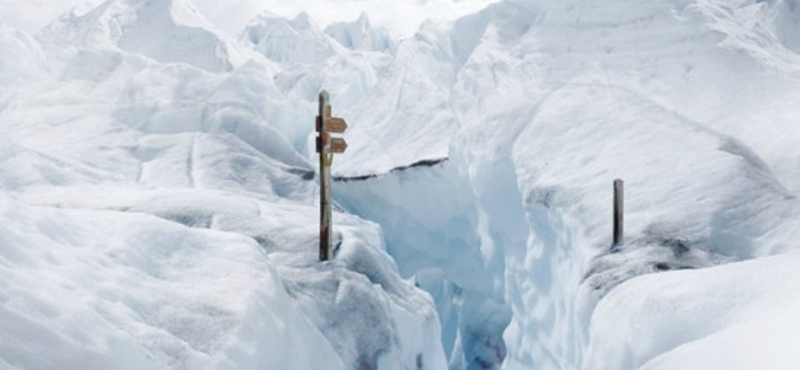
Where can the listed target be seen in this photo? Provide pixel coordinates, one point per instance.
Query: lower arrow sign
(338, 145)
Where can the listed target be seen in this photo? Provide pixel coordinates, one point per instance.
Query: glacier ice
(157, 196)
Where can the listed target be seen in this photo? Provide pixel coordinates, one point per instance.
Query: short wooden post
(619, 200)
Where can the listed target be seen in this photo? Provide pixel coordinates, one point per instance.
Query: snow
(552, 102)
(183, 34)
(154, 194)
(16, 43)
(739, 317)
(295, 42)
(360, 35)
(156, 294)
(400, 17)
(158, 189)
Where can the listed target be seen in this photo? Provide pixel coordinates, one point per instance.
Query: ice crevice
(453, 234)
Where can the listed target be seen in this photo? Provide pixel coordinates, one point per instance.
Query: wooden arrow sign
(338, 145)
(336, 124)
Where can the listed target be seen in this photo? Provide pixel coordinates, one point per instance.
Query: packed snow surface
(158, 193)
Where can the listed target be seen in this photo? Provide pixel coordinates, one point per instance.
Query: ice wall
(433, 229)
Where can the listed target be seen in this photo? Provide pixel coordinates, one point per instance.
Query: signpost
(326, 147)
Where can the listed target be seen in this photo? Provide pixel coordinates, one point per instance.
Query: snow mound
(739, 317)
(170, 31)
(357, 303)
(154, 294)
(244, 103)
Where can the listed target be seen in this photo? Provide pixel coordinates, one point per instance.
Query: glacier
(158, 193)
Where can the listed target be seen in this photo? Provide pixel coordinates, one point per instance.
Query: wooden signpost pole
(324, 180)
(326, 147)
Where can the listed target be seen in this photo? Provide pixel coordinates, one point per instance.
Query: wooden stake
(619, 199)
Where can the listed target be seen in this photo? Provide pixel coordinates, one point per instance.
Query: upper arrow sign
(336, 124)
(338, 145)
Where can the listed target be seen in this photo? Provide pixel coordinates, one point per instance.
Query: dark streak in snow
(421, 163)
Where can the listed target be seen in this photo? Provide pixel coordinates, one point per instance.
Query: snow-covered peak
(168, 31)
(361, 35)
(296, 41)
